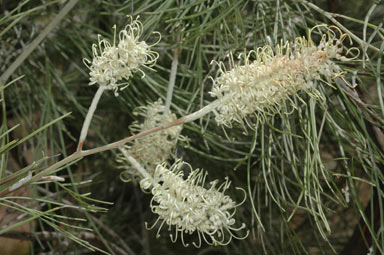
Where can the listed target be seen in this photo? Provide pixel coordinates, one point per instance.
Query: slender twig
(82, 153)
(88, 118)
(79, 154)
(172, 79)
(135, 164)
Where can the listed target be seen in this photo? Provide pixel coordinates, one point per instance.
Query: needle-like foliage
(301, 122)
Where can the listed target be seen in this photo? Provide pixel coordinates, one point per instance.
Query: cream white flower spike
(155, 148)
(113, 62)
(260, 87)
(188, 207)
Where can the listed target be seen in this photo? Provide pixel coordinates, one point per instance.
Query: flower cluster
(190, 207)
(259, 87)
(112, 63)
(155, 148)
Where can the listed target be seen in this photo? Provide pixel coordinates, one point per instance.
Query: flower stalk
(88, 118)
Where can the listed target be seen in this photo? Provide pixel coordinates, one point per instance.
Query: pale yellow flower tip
(188, 207)
(113, 62)
(260, 86)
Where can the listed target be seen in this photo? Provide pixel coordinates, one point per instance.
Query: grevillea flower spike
(188, 207)
(114, 62)
(152, 149)
(259, 87)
